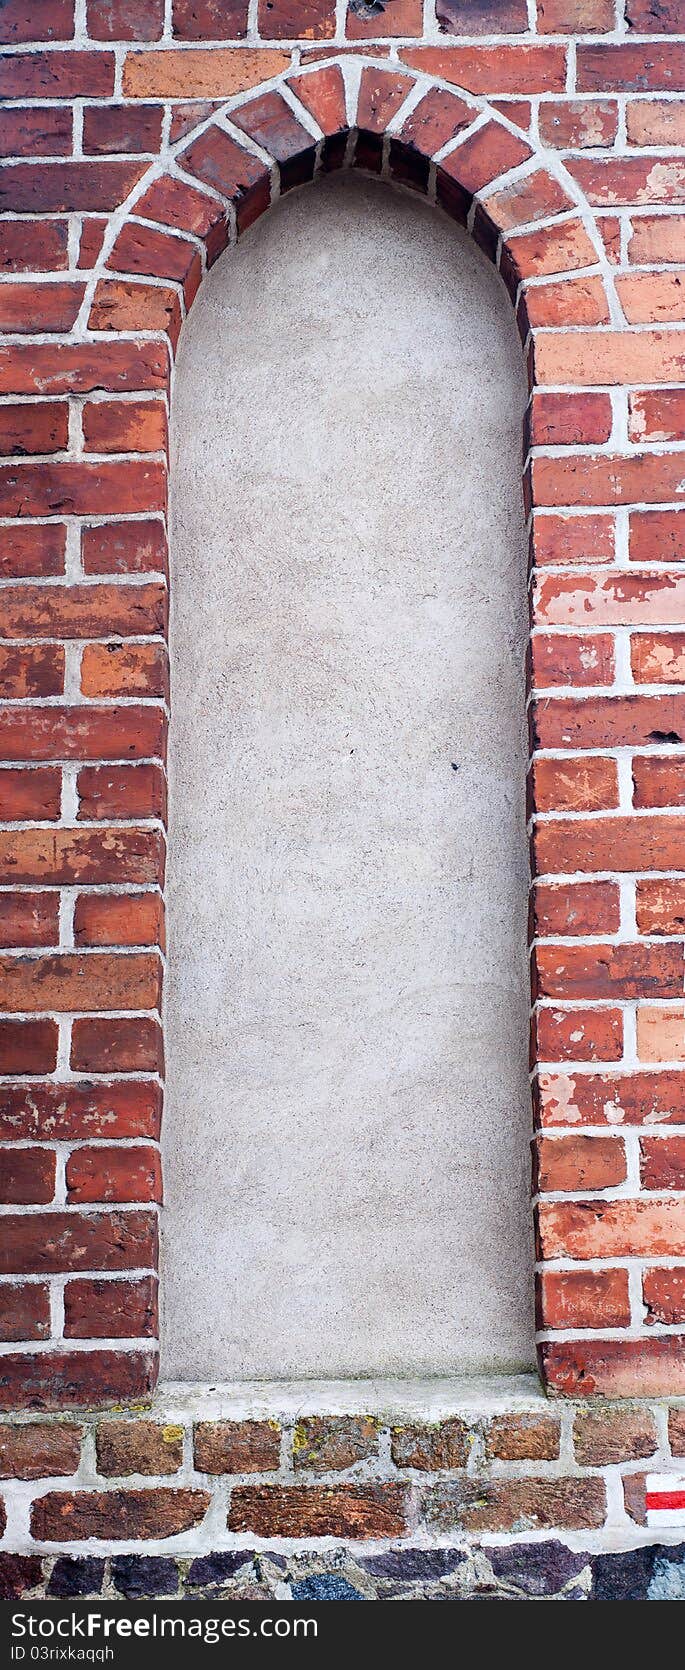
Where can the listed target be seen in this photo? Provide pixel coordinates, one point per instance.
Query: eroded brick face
(588, 232)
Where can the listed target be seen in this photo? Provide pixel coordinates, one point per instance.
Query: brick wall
(140, 140)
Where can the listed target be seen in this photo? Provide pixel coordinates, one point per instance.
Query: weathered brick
(493, 69)
(39, 1451)
(27, 1176)
(42, 1243)
(117, 1515)
(28, 1046)
(24, 1311)
(52, 21)
(576, 301)
(404, 17)
(67, 187)
(574, 124)
(67, 1112)
(111, 1309)
(125, 426)
(39, 131)
(111, 1174)
(119, 919)
(57, 75)
(219, 162)
(125, 20)
(569, 419)
(39, 427)
(676, 1430)
(657, 237)
(271, 123)
(662, 1162)
(201, 72)
(287, 20)
(79, 489)
(575, 17)
(658, 780)
(656, 415)
(327, 1444)
(124, 548)
(30, 795)
(660, 1033)
(637, 1098)
(529, 1504)
(598, 972)
(614, 1368)
(431, 1449)
(579, 1163)
(614, 357)
(578, 1034)
(67, 856)
(33, 246)
(122, 129)
(586, 784)
(658, 657)
(138, 1446)
(125, 670)
(572, 1299)
(237, 1446)
(482, 17)
(323, 95)
(663, 1293)
(63, 1380)
(572, 539)
(609, 844)
(591, 907)
(611, 1229)
(342, 1510)
(94, 980)
(120, 305)
(603, 1437)
(31, 670)
(82, 733)
(73, 368)
(660, 905)
(134, 791)
(523, 1437)
(629, 68)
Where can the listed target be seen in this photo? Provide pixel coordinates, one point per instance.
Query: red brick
(200, 72)
(431, 1449)
(657, 237)
(76, 1112)
(658, 657)
(611, 1228)
(111, 1309)
(75, 1379)
(54, 21)
(81, 733)
(587, 784)
(119, 919)
(536, 197)
(614, 1368)
(676, 1430)
(614, 357)
(565, 658)
(124, 129)
(323, 95)
(493, 69)
(41, 131)
(591, 907)
(33, 246)
(186, 116)
(94, 980)
(660, 1033)
(499, 1504)
(113, 1175)
(629, 970)
(631, 68)
(26, 307)
(605, 479)
(569, 419)
(662, 1162)
(651, 298)
(618, 843)
(124, 548)
(657, 415)
(571, 1299)
(27, 1176)
(117, 1515)
(573, 539)
(576, 301)
(33, 796)
(57, 75)
(77, 489)
(93, 228)
(72, 368)
(137, 1446)
(603, 1437)
(533, 1437)
(211, 20)
(607, 722)
(288, 20)
(657, 536)
(663, 1293)
(48, 188)
(546, 250)
(125, 1045)
(358, 1511)
(136, 791)
(638, 1098)
(218, 161)
(270, 122)
(69, 856)
(44, 1243)
(24, 1311)
(125, 20)
(576, 17)
(579, 1034)
(125, 426)
(30, 670)
(236, 1446)
(28, 1046)
(481, 17)
(574, 124)
(35, 1451)
(39, 427)
(658, 780)
(144, 249)
(332, 1443)
(125, 670)
(661, 18)
(660, 906)
(655, 122)
(174, 203)
(29, 919)
(577, 1164)
(122, 306)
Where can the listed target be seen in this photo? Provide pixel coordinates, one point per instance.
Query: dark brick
(72, 1577)
(538, 1569)
(133, 1575)
(19, 1574)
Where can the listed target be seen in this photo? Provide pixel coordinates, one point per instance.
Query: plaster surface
(347, 1114)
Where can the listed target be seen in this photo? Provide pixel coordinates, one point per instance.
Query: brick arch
(92, 1083)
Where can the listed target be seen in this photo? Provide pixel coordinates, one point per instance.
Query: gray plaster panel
(347, 1118)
